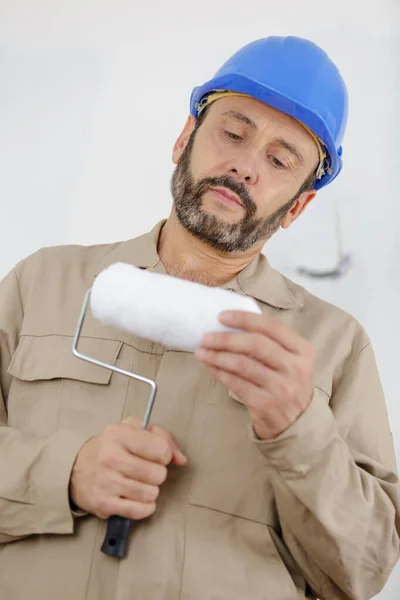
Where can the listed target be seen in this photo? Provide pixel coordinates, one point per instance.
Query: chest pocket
(51, 388)
(232, 476)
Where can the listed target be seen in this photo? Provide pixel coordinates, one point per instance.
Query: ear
(298, 208)
(183, 139)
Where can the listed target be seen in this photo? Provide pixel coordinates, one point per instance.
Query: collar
(258, 280)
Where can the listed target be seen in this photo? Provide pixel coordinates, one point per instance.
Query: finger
(146, 444)
(134, 422)
(270, 382)
(178, 458)
(138, 491)
(141, 470)
(268, 326)
(262, 406)
(251, 395)
(255, 345)
(117, 484)
(129, 509)
(248, 368)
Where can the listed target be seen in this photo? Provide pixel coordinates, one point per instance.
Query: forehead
(266, 118)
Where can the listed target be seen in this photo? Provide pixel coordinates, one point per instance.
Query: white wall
(93, 94)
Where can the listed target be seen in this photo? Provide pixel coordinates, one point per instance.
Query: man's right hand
(120, 470)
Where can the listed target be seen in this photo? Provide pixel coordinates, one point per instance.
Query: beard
(214, 231)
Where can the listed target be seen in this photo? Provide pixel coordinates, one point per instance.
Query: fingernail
(180, 454)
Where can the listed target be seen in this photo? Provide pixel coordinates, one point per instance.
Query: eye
(233, 136)
(276, 162)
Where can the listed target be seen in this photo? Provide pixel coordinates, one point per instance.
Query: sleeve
(35, 472)
(337, 491)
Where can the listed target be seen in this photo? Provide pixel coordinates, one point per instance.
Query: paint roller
(173, 312)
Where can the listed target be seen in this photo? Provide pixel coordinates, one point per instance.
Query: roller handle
(116, 540)
(118, 528)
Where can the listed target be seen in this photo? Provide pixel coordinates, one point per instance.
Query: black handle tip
(116, 540)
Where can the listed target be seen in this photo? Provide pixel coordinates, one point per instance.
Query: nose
(245, 170)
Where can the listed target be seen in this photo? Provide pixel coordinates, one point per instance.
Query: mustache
(229, 183)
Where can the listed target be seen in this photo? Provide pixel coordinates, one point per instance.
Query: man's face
(251, 152)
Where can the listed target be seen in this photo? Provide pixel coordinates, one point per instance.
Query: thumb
(178, 458)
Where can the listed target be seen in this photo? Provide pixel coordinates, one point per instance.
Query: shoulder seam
(290, 291)
(19, 291)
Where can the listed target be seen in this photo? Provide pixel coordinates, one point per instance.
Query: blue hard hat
(296, 77)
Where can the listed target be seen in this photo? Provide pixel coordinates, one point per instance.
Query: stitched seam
(91, 337)
(125, 396)
(19, 291)
(233, 515)
(89, 576)
(352, 361)
(322, 390)
(240, 285)
(363, 348)
(290, 293)
(329, 396)
(190, 485)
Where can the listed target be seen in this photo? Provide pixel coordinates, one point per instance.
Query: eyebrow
(238, 116)
(290, 148)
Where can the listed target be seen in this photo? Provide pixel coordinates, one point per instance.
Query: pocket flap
(51, 357)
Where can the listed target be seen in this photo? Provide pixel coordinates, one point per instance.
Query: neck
(185, 256)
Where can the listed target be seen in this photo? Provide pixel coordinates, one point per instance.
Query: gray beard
(214, 231)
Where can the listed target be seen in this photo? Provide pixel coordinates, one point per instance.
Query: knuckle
(141, 511)
(151, 494)
(112, 431)
(156, 430)
(150, 508)
(143, 492)
(132, 421)
(155, 493)
(159, 474)
(101, 481)
(106, 457)
(242, 364)
(164, 450)
(102, 506)
(239, 385)
(169, 437)
(287, 388)
(222, 339)
(236, 362)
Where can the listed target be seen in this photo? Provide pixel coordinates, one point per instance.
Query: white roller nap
(170, 311)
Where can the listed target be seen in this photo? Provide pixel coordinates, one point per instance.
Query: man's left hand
(268, 366)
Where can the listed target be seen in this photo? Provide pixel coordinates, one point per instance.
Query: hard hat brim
(319, 124)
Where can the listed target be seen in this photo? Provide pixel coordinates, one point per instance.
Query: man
(269, 472)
